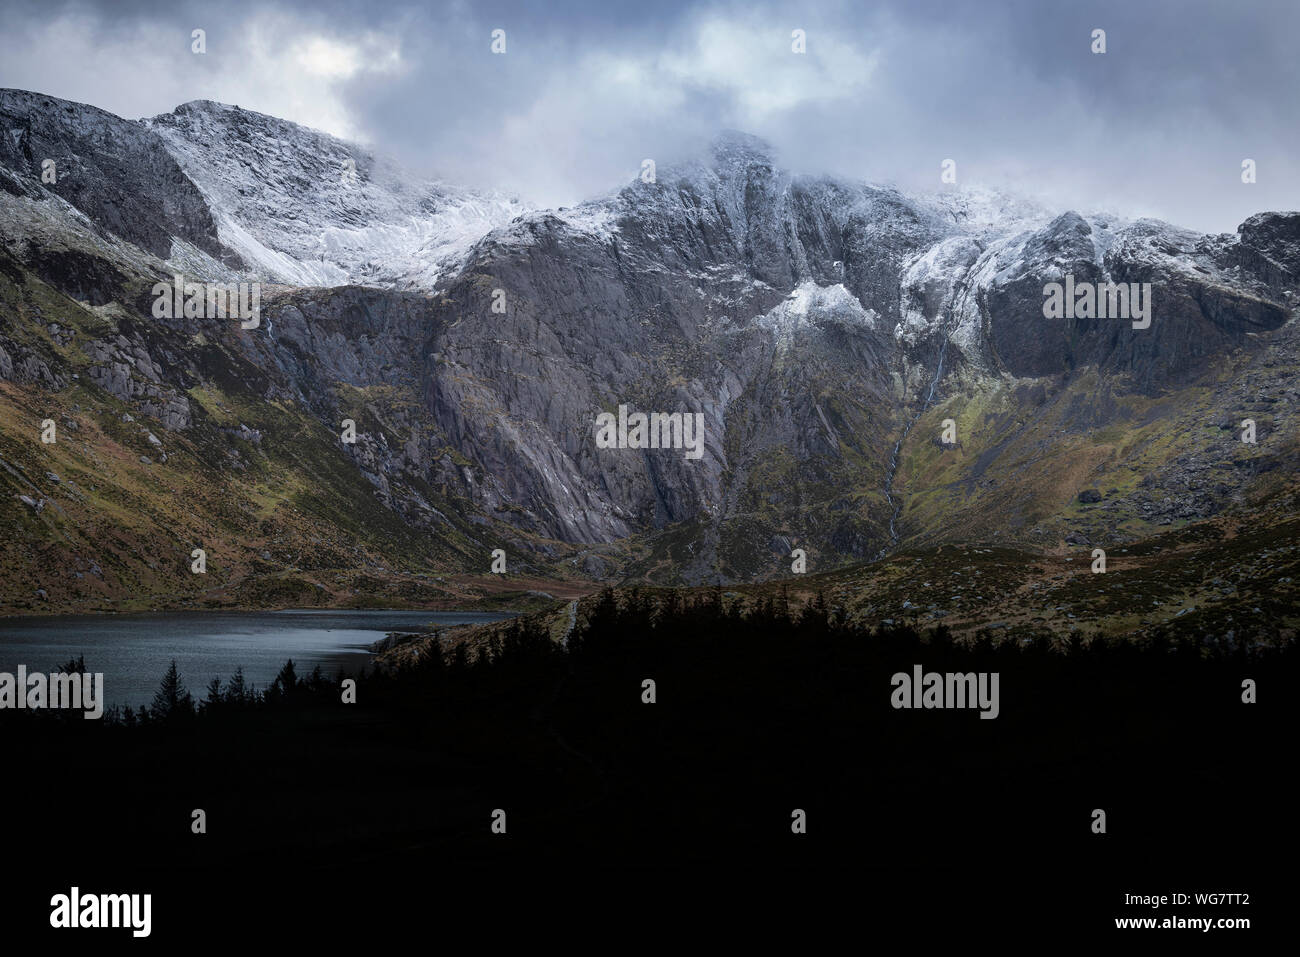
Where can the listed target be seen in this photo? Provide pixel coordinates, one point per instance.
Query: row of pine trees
(173, 702)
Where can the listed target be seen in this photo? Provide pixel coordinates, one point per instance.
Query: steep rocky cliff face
(825, 331)
(767, 303)
(118, 174)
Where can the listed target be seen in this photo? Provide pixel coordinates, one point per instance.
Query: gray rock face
(691, 294)
(116, 172)
(1201, 303)
(125, 370)
(1272, 242)
(19, 365)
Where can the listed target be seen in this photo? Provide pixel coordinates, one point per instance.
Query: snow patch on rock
(809, 307)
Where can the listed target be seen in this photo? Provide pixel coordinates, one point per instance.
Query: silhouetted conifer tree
(237, 692)
(171, 700)
(285, 685)
(214, 698)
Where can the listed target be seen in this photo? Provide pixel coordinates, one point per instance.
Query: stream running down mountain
(897, 506)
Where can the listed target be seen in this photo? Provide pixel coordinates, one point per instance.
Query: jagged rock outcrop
(116, 172)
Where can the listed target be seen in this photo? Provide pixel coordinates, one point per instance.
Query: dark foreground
(386, 806)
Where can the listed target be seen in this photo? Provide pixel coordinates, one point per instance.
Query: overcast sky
(1157, 125)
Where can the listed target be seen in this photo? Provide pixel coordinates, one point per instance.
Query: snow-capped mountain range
(823, 327)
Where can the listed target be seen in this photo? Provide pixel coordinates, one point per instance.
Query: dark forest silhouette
(761, 709)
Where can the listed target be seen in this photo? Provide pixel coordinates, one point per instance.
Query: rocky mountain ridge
(825, 329)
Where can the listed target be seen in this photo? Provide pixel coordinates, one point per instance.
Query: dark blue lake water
(133, 651)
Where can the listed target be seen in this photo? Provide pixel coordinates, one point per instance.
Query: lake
(133, 651)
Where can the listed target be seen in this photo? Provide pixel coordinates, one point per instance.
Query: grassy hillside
(106, 516)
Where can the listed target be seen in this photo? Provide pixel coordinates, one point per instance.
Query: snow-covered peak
(303, 207)
(732, 148)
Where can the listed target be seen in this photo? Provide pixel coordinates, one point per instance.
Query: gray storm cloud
(1157, 125)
